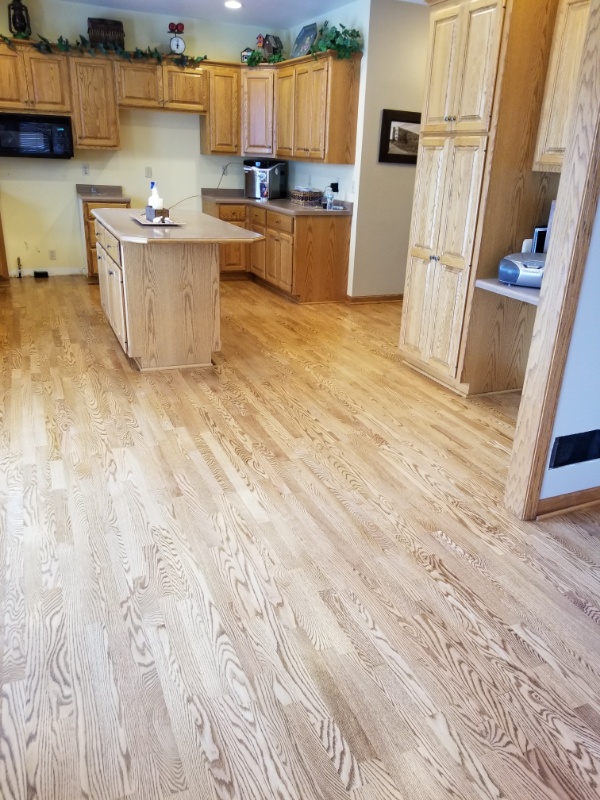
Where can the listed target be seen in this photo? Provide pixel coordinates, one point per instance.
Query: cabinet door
(273, 257)
(257, 112)
(95, 119)
(116, 302)
(13, 86)
(414, 331)
(427, 202)
(462, 189)
(232, 257)
(258, 252)
(47, 81)
(185, 89)
(480, 45)
(103, 281)
(285, 85)
(139, 85)
(561, 82)
(224, 120)
(318, 109)
(442, 69)
(286, 261)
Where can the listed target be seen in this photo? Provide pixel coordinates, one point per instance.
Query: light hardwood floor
(290, 576)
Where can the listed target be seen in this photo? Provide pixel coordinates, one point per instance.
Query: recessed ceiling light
(232, 4)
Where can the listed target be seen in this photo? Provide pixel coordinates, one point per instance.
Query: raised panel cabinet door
(185, 89)
(232, 257)
(302, 110)
(117, 302)
(139, 85)
(462, 191)
(428, 194)
(416, 306)
(286, 261)
(481, 33)
(318, 109)
(273, 257)
(258, 252)
(257, 111)
(224, 118)
(446, 312)
(95, 115)
(561, 82)
(13, 85)
(285, 90)
(102, 259)
(48, 82)
(442, 69)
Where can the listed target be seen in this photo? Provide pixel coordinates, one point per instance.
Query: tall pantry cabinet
(476, 197)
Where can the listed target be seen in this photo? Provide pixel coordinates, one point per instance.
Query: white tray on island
(144, 221)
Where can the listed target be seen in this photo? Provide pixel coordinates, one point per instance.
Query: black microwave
(35, 136)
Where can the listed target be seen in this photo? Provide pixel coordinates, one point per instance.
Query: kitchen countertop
(284, 206)
(97, 193)
(197, 228)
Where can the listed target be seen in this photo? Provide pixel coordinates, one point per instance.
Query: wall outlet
(52, 255)
(85, 168)
(148, 172)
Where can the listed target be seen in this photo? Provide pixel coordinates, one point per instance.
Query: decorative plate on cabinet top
(304, 41)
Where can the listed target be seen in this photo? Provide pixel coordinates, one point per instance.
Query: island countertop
(196, 227)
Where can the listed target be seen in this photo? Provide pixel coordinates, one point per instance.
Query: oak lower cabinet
(33, 81)
(279, 256)
(475, 197)
(316, 109)
(90, 227)
(561, 84)
(257, 111)
(233, 256)
(257, 222)
(445, 208)
(112, 295)
(95, 113)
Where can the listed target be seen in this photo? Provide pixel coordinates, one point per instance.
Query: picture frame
(399, 138)
(304, 41)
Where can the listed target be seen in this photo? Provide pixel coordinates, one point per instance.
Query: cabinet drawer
(232, 213)
(280, 222)
(258, 216)
(111, 245)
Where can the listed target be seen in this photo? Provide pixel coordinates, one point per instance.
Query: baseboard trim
(376, 298)
(563, 503)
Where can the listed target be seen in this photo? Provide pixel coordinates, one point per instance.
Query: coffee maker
(265, 179)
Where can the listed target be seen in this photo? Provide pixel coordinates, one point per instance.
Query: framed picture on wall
(399, 140)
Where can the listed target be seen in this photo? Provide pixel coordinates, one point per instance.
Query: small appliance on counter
(522, 269)
(265, 179)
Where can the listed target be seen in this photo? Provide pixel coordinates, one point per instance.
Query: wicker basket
(306, 197)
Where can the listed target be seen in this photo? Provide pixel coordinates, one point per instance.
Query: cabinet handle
(110, 272)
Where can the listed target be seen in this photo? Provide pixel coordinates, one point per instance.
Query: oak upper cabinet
(185, 89)
(257, 111)
(139, 85)
(462, 66)
(95, 113)
(559, 92)
(285, 90)
(220, 130)
(446, 202)
(316, 108)
(13, 86)
(30, 80)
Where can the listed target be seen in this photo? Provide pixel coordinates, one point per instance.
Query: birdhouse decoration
(18, 20)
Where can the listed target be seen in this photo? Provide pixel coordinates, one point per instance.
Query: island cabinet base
(171, 297)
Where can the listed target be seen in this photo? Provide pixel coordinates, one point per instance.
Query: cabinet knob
(110, 272)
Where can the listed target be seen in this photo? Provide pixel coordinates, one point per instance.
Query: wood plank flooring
(290, 576)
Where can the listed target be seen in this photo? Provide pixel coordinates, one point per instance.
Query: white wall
(37, 197)
(579, 401)
(398, 34)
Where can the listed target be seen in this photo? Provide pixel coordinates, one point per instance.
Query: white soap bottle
(154, 201)
(328, 195)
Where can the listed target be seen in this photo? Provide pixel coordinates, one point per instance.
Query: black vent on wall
(575, 448)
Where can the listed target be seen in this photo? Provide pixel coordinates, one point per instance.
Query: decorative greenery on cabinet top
(83, 46)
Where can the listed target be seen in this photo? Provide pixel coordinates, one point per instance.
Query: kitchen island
(159, 286)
